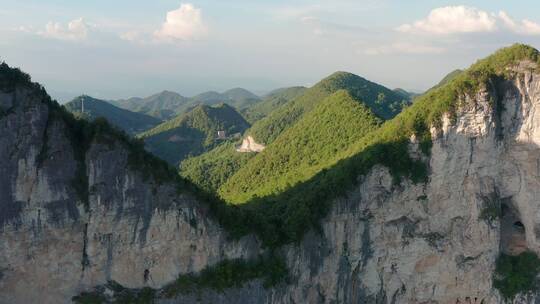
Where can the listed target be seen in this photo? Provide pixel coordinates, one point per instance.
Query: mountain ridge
(167, 104)
(130, 122)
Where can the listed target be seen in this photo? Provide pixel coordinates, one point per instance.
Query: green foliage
(271, 102)
(230, 274)
(268, 129)
(12, 77)
(93, 297)
(516, 274)
(284, 217)
(130, 122)
(316, 141)
(492, 208)
(121, 295)
(272, 270)
(211, 169)
(193, 133)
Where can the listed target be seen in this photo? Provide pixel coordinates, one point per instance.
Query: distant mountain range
(165, 105)
(130, 122)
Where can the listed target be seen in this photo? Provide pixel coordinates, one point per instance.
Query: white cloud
(453, 19)
(403, 48)
(525, 27)
(462, 19)
(184, 23)
(76, 30)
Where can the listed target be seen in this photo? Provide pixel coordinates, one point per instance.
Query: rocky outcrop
(384, 242)
(249, 145)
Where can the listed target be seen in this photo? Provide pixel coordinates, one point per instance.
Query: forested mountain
(317, 141)
(272, 101)
(194, 132)
(288, 107)
(382, 101)
(131, 122)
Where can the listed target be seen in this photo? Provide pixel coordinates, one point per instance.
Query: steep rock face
(54, 245)
(385, 242)
(430, 243)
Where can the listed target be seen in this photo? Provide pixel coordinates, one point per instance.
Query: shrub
(516, 274)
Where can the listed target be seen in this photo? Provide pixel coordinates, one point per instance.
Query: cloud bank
(463, 19)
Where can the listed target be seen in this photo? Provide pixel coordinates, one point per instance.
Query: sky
(114, 49)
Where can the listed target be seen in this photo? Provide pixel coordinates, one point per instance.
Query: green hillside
(271, 102)
(131, 122)
(449, 77)
(210, 170)
(317, 141)
(281, 116)
(194, 132)
(163, 105)
(382, 101)
(286, 216)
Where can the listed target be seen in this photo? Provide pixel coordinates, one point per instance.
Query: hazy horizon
(135, 48)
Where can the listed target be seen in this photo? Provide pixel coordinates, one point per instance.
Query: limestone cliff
(383, 242)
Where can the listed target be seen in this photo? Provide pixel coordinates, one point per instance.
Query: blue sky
(116, 49)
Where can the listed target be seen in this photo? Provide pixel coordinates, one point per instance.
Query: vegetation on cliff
(271, 270)
(516, 274)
